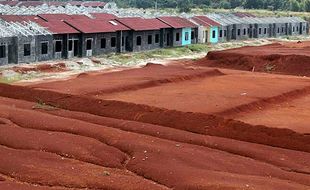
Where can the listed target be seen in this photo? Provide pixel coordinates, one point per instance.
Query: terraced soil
(157, 127)
(287, 58)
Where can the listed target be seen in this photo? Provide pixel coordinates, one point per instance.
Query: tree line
(187, 5)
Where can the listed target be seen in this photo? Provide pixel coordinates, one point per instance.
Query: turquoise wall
(188, 41)
(216, 38)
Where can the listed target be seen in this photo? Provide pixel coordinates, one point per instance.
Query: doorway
(168, 39)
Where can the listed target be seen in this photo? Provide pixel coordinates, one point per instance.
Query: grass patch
(125, 58)
(44, 106)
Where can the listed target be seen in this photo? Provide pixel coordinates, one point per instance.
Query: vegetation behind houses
(187, 5)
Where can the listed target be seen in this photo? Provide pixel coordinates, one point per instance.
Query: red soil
(59, 67)
(275, 58)
(157, 127)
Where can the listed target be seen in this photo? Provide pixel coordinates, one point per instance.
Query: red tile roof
(205, 21)
(58, 27)
(96, 26)
(140, 24)
(22, 18)
(10, 3)
(177, 22)
(103, 16)
(49, 17)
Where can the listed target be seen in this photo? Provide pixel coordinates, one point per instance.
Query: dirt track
(158, 127)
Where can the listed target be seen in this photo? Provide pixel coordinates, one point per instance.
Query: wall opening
(58, 46)
(177, 37)
(113, 42)
(44, 48)
(103, 43)
(149, 39)
(139, 40)
(2, 51)
(27, 50)
(213, 34)
(89, 44)
(186, 36)
(156, 38)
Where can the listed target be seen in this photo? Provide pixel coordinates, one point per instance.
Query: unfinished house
(34, 42)
(208, 30)
(7, 45)
(224, 28)
(296, 26)
(100, 36)
(145, 34)
(183, 32)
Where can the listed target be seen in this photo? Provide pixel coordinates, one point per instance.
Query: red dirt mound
(193, 122)
(59, 67)
(275, 58)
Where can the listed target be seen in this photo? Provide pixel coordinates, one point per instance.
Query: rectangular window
(58, 46)
(139, 40)
(186, 36)
(70, 45)
(233, 32)
(113, 41)
(44, 48)
(260, 31)
(123, 41)
(239, 32)
(177, 37)
(192, 35)
(213, 34)
(103, 43)
(156, 38)
(225, 33)
(221, 33)
(89, 44)
(265, 30)
(244, 32)
(149, 39)
(2, 51)
(278, 30)
(282, 29)
(27, 50)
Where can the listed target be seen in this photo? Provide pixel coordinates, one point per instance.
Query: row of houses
(28, 38)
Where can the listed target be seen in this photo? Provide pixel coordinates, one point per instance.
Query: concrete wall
(176, 43)
(50, 51)
(10, 51)
(144, 40)
(223, 31)
(21, 58)
(240, 31)
(213, 39)
(262, 30)
(186, 32)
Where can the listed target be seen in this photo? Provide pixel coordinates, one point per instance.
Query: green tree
(307, 5)
(294, 5)
(184, 6)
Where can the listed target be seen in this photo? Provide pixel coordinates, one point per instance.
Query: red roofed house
(208, 30)
(99, 36)
(30, 48)
(183, 32)
(145, 34)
